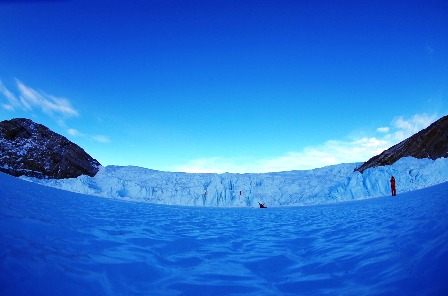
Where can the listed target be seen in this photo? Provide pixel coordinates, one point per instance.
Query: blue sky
(216, 86)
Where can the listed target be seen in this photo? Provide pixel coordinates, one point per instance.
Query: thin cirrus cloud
(13, 102)
(331, 152)
(98, 138)
(383, 129)
(101, 139)
(74, 133)
(29, 99)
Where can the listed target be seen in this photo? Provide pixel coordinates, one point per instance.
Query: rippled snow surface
(58, 243)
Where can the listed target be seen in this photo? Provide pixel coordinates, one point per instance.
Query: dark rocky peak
(431, 142)
(31, 149)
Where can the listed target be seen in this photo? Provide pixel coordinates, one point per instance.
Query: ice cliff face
(325, 185)
(31, 149)
(241, 190)
(431, 142)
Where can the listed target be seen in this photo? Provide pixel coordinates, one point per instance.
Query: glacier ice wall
(324, 185)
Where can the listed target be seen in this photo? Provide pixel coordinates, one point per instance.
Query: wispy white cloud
(28, 99)
(13, 102)
(101, 138)
(48, 104)
(8, 107)
(97, 138)
(331, 152)
(74, 133)
(414, 124)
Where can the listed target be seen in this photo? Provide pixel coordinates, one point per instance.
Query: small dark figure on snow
(262, 205)
(392, 186)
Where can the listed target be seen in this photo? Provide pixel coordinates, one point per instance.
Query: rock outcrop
(431, 142)
(31, 149)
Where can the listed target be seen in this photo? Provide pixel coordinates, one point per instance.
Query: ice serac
(31, 149)
(431, 142)
(330, 184)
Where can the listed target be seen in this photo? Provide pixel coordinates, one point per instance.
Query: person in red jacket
(392, 186)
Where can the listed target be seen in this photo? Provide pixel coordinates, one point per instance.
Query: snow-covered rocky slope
(324, 185)
(31, 149)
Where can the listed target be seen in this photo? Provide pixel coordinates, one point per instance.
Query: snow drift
(324, 185)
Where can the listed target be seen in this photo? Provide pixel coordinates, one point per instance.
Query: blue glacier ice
(294, 188)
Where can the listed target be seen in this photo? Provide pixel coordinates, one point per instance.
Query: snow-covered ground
(324, 185)
(55, 242)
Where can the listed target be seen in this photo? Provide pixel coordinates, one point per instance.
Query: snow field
(56, 242)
